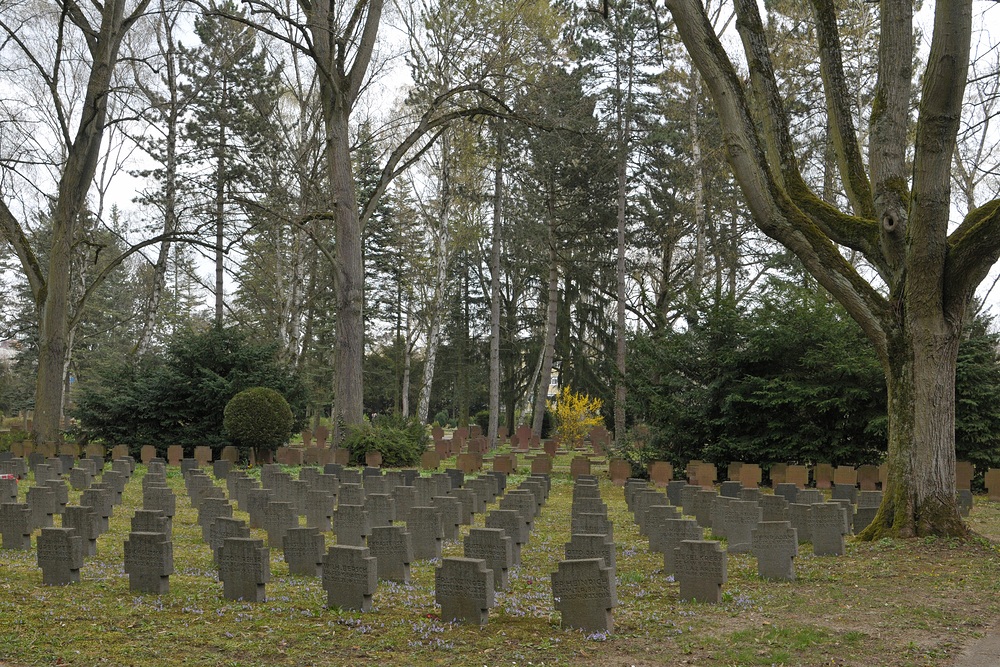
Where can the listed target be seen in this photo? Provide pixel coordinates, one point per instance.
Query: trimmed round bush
(258, 418)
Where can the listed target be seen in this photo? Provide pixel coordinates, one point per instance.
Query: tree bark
(495, 247)
(549, 342)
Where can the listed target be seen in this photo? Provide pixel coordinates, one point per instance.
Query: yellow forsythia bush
(575, 415)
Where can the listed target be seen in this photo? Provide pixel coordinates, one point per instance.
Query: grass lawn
(890, 603)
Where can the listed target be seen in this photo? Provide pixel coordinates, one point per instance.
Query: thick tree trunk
(698, 263)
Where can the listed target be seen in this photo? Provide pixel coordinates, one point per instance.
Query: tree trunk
(220, 229)
(620, 330)
(494, 406)
(549, 343)
(698, 264)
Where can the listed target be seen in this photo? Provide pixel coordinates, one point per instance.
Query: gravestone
(700, 567)
(303, 549)
(221, 468)
(868, 477)
(376, 484)
(773, 508)
(733, 471)
(319, 510)
(846, 492)
(846, 475)
(775, 545)
(98, 498)
(430, 461)
(676, 531)
(244, 568)
(828, 526)
(279, 518)
(731, 489)
(583, 592)
(619, 470)
(351, 494)
(505, 463)
(150, 521)
(381, 509)
(964, 472)
(15, 526)
(823, 474)
(149, 562)
(661, 473)
(231, 454)
(175, 453)
(541, 465)
(674, 487)
(751, 495)
(60, 555)
(799, 515)
(992, 481)
(687, 498)
(580, 465)
(720, 509)
(426, 531)
(787, 491)
(350, 577)
(82, 520)
(463, 587)
(61, 492)
(467, 498)
(778, 473)
(750, 475)
(42, 502)
(741, 518)
(493, 546)
(964, 502)
(513, 526)
(656, 516)
(809, 497)
(351, 525)
(450, 510)
(584, 546)
(703, 500)
(585, 505)
(404, 498)
(393, 551)
(797, 475)
(8, 490)
(80, 479)
(425, 488)
(160, 499)
(209, 510)
(550, 447)
(222, 529)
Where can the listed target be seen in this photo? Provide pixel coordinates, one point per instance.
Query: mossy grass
(888, 602)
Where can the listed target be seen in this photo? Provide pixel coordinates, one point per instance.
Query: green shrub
(401, 442)
(259, 419)
(482, 418)
(10, 437)
(441, 418)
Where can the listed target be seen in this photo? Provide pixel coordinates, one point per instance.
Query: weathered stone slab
(580, 465)
(868, 477)
(463, 587)
(209, 510)
(514, 527)
(619, 470)
(799, 515)
(86, 524)
(493, 546)
(303, 549)
(149, 562)
(750, 475)
(741, 519)
(773, 508)
(584, 593)
(15, 526)
(60, 555)
(775, 545)
(351, 525)
(244, 568)
(993, 483)
(798, 475)
(99, 498)
(319, 511)
(661, 473)
(450, 510)
(222, 529)
(584, 546)
(787, 491)
(703, 501)
(700, 567)
(280, 517)
(351, 494)
(676, 531)
(809, 497)
(426, 532)
(823, 474)
(393, 551)
(42, 502)
(964, 472)
(350, 578)
(846, 492)
(150, 521)
(828, 526)
(381, 509)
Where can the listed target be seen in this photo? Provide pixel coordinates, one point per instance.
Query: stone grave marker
(992, 481)
(60, 555)
(846, 492)
(393, 551)
(619, 470)
(687, 498)
(463, 587)
(231, 454)
(209, 510)
(661, 473)
(350, 577)
(580, 465)
(161, 499)
(425, 488)
(351, 494)
(700, 567)
(321, 433)
(150, 521)
(493, 546)
(222, 529)
(800, 516)
(868, 477)
(828, 525)
(751, 495)
(221, 468)
(61, 492)
(720, 509)
(797, 475)
(149, 562)
(319, 511)
(809, 497)
(731, 489)
(676, 531)
(583, 546)
(100, 499)
(514, 527)
(15, 526)
(674, 487)
(450, 510)
(788, 491)
(8, 490)
(778, 473)
(847, 475)
(42, 502)
(404, 498)
(656, 517)
(964, 502)
(279, 518)
(823, 474)
(303, 549)
(703, 500)
(80, 479)
(426, 531)
(351, 525)
(585, 505)
(750, 475)
(541, 465)
(550, 447)
(775, 545)
(175, 453)
(774, 508)
(244, 568)
(964, 472)
(505, 463)
(741, 518)
(584, 593)
(82, 520)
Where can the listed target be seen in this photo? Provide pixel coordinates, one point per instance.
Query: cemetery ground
(892, 603)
